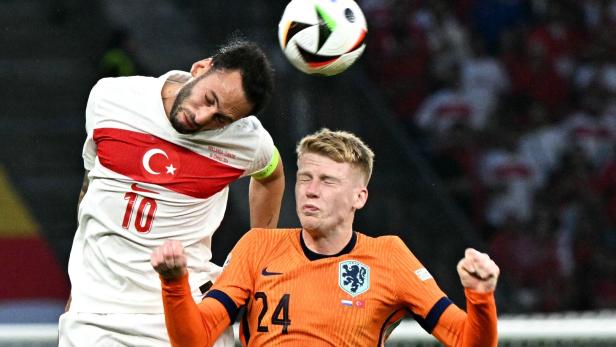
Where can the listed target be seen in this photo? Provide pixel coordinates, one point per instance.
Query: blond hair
(341, 147)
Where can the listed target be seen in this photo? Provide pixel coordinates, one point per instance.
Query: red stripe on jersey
(147, 158)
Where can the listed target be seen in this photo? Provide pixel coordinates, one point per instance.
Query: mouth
(310, 209)
(189, 119)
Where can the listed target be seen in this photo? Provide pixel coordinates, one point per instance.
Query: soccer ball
(322, 36)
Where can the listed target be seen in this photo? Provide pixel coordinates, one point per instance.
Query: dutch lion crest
(353, 277)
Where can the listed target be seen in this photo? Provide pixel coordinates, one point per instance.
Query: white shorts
(120, 330)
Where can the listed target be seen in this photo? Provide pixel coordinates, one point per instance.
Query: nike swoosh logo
(136, 188)
(264, 272)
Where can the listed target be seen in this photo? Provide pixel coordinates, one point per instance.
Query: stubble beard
(182, 95)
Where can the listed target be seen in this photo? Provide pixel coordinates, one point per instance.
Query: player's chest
(350, 290)
(150, 159)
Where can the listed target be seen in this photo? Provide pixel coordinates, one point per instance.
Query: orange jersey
(295, 297)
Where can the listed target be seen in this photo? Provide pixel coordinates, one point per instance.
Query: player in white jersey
(159, 156)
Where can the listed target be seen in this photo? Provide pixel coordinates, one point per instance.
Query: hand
(169, 260)
(477, 271)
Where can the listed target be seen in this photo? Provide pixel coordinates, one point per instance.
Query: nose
(204, 114)
(312, 189)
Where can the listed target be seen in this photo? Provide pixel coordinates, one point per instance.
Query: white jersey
(149, 183)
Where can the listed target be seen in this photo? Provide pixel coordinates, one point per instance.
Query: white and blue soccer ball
(322, 37)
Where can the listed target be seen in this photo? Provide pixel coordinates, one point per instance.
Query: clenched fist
(169, 260)
(477, 271)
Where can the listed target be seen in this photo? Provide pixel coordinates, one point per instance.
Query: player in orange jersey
(325, 284)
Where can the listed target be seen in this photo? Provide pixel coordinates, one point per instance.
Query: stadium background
(508, 148)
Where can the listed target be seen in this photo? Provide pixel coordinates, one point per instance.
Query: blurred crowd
(514, 104)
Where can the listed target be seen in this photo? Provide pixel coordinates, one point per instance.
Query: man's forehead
(225, 86)
(223, 80)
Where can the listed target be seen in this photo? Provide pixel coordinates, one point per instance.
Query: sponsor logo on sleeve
(423, 274)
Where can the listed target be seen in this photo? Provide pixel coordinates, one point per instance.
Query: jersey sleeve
(415, 287)
(236, 282)
(475, 327)
(269, 168)
(89, 147)
(435, 312)
(191, 324)
(266, 157)
(188, 324)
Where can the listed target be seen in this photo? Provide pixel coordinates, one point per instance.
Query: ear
(200, 67)
(361, 196)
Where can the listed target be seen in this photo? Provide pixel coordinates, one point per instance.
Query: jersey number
(280, 315)
(145, 212)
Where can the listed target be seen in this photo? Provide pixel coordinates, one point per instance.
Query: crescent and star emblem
(148, 156)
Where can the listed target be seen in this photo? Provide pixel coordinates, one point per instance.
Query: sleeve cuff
(477, 297)
(177, 286)
(269, 168)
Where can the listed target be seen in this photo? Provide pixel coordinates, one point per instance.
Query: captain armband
(269, 168)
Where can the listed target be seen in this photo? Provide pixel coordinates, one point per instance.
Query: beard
(184, 93)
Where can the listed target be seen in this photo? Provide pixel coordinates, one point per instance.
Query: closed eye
(303, 178)
(222, 119)
(330, 181)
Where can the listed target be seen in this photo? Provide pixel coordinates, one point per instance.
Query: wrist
(478, 297)
(175, 278)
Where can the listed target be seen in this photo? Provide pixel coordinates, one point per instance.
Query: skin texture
(265, 198)
(169, 260)
(211, 100)
(477, 271)
(327, 195)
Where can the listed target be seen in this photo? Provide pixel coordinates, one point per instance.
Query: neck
(326, 244)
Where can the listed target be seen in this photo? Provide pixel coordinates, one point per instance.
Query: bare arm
(265, 198)
(84, 189)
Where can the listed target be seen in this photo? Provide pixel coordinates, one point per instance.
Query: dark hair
(255, 68)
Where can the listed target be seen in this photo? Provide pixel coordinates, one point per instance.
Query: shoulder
(382, 241)
(120, 86)
(387, 247)
(125, 81)
(259, 243)
(250, 126)
(268, 236)
(245, 134)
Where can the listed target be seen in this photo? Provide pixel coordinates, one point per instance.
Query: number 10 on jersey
(146, 208)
